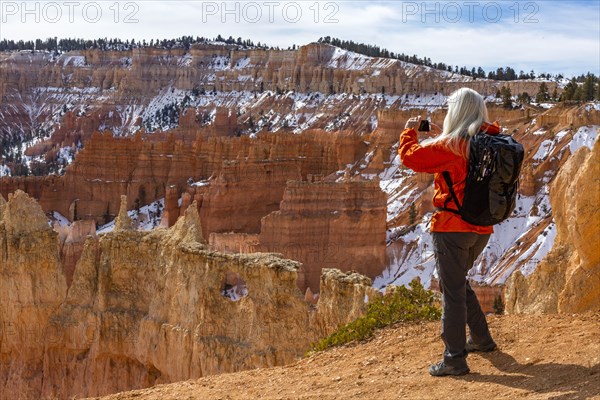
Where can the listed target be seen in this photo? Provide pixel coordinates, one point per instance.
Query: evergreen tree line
(70, 44)
(64, 45)
(574, 91)
(500, 74)
(588, 90)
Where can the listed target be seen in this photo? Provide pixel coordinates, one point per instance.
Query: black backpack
(492, 180)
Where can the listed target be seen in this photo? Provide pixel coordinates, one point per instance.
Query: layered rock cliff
(148, 308)
(53, 103)
(567, 280)
(329, 225)
(315, 67)
(32, 289)
(323, 224)
(142, 168)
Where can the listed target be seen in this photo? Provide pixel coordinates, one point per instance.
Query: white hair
(466, 113)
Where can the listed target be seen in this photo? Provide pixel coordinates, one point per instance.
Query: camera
(424, 126)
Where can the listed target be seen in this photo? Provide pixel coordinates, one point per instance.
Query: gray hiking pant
(455, 254)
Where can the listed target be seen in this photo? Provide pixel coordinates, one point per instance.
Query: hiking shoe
(473, 347)
(441, 369)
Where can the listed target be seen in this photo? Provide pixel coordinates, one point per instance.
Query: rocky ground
(539, 357)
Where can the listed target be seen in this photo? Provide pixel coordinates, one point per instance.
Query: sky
(545, 36)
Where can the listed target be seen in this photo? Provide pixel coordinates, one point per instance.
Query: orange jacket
(436, 159)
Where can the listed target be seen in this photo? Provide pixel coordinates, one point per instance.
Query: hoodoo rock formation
(253, 151)
(147, 308)
(109, 167)
(568, 279)
(72, 239)
(243, 192)
(32, 289)
(322, 224)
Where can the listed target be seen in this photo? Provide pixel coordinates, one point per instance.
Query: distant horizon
(268, 46)
(543, 36)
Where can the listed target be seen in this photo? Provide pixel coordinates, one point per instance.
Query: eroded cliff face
(72, 240)
(148, 308)
(142, 169)
(323, 224)
(329, 225)
(32, 288)
(313, 67)
(568, 278)
(53, 104)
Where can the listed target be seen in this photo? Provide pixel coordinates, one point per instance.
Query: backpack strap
(448, 180)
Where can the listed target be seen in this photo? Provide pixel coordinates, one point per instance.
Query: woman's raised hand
(412, 122)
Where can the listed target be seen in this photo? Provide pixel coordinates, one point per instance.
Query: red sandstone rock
(72, 239)
(329, 225)
(146, 308)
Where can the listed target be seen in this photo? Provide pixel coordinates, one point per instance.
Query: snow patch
(4, 170)
(235, 293)
(585, 136)
(414, 259)
(61, 219)
(242, 63)
(593, 106)
(147, 218)
(75, 61)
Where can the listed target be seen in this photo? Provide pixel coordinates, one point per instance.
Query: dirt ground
(539, 357)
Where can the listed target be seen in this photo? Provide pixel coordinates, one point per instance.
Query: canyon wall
(105, 169)
(322, 224)
(52, 102)
(141, 168)
(329, 224)
(148, 308)
(244, 192)
(568, 278)
(315, 67)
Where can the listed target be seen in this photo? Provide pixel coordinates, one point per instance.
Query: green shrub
(398, 305)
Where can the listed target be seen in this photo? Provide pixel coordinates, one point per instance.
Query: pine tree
(524, 98)
(588, 87)
(542, 95)
(506, 97)
(569, 91)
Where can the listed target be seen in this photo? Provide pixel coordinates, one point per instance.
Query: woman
(457, 243)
